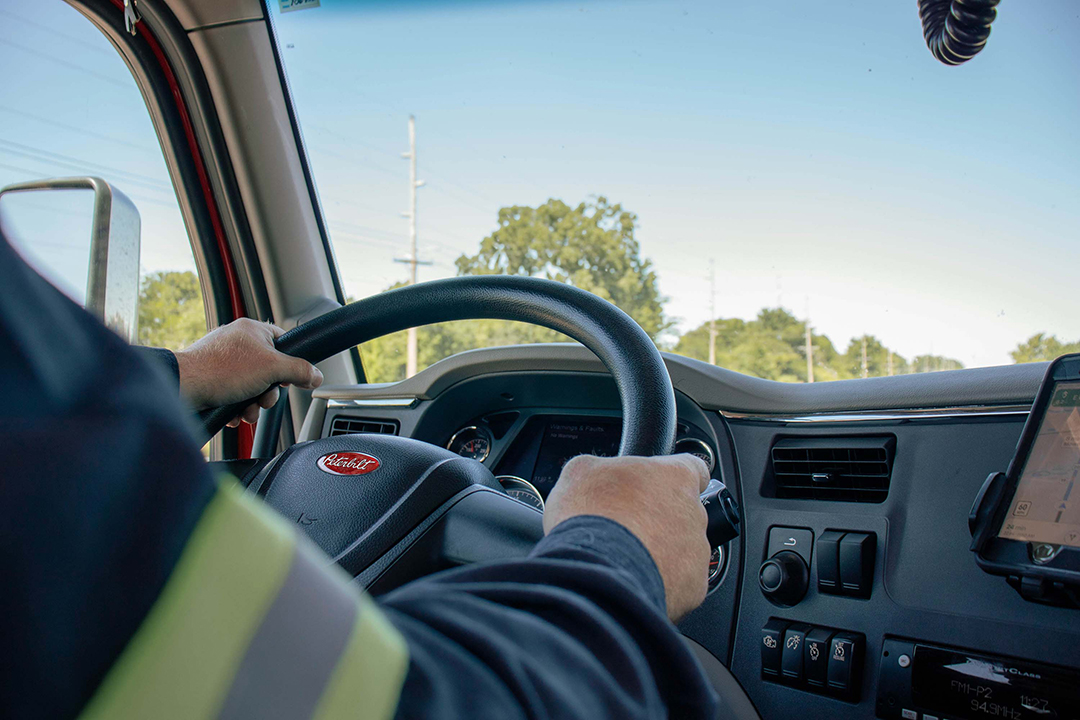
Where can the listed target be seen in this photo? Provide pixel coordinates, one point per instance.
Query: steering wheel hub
(358, 495)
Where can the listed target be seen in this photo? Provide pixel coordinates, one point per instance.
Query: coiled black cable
(956, 30)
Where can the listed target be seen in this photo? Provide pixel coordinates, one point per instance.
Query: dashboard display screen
(564, 439)
(1046, 506)
(959, 684)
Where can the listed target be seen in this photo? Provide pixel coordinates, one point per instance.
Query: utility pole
(412, 260)
(809, 347)
(712, 313)
(865, 372)
(890, 362)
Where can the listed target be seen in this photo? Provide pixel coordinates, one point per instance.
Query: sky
(815, 152)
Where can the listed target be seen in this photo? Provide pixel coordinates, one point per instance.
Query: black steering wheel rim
(645, 390)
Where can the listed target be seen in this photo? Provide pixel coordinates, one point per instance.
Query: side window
(70, 107)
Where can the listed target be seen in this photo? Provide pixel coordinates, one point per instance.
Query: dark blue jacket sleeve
(165, 362)
(576, 630)
(101, 484)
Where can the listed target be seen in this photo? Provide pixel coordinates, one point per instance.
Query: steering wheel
(368, 499)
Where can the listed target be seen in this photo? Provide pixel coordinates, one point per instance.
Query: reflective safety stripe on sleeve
(255, 623)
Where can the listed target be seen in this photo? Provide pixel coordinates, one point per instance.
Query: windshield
(799, 191)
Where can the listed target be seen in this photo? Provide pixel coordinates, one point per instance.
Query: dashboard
(852, 589)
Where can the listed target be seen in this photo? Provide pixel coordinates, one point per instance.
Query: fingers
(250, 415)
(697, 468)
(268, 399)
(298, 372)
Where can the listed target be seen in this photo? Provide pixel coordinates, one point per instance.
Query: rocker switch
(828, 561)
(856, 558)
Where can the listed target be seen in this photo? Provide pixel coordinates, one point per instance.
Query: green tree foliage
(1041, 347)
(384, 358)
(591, 246)
(171, 313)
(773, 346)
(934, 363)
(877, 359)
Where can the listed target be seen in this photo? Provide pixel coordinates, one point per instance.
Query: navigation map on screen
(1046, 507)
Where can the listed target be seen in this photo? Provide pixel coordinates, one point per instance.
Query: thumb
(296, 371)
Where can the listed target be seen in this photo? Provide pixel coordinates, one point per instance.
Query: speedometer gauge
(522, 490)
(471, 442)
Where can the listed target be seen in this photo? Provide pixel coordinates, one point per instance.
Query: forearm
(576, 630)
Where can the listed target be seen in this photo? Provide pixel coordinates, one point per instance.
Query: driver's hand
(238, 361)
(657, 499)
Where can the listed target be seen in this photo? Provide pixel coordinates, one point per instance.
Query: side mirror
(112, 275)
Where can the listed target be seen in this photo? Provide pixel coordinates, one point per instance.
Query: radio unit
(920, 681)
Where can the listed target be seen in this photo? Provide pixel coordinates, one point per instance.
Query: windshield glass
(799, 192)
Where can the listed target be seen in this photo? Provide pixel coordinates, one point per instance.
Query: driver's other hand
(657, 499)
(238, 361)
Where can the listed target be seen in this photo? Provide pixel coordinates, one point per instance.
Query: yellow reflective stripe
(181, 661)
(367, 682)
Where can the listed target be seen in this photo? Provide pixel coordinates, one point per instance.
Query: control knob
(784, 578)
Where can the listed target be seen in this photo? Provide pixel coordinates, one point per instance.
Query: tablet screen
(1046, 506)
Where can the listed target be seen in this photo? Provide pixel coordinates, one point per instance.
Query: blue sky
(816, 151)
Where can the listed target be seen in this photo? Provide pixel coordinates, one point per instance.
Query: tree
(171, 312)
(772, 346)
(1040, 347)
(934, 363)
(877, 359)
(591, 246)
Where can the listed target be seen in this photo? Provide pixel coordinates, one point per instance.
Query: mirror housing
(112, 283)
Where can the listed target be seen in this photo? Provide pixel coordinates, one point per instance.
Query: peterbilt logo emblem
(348, 463)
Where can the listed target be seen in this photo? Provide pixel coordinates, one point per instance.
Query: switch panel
(818, 659)
(845, 561)
(857, 552)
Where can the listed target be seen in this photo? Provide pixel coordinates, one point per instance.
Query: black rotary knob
(784, 578)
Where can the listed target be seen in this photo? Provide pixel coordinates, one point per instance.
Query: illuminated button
(909, 714)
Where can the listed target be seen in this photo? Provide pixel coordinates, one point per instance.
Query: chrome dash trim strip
(965, 411)
(404, 402)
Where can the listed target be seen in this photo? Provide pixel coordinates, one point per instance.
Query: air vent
(345, 425)
(838, 469)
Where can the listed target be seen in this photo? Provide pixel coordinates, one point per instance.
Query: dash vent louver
(840, 469)
(345, 425)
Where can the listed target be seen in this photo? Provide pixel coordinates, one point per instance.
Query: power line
(38, 175)
(72, 66)
(65, 36)
(73, 128)
(80, 164)
(77, 168)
